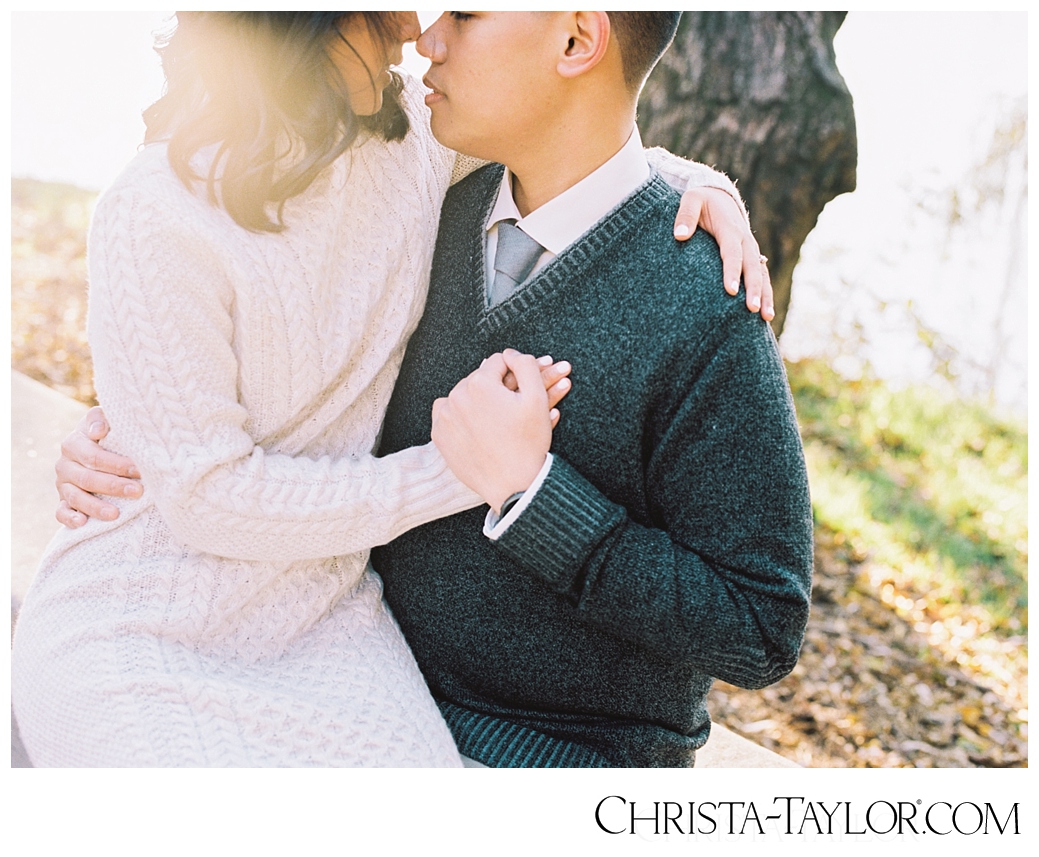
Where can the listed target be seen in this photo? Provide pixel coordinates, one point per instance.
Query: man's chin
(447, 135)
(443, 131)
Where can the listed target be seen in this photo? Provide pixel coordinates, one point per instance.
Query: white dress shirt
(562, 220)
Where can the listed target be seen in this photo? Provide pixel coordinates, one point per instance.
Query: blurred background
(906, 342)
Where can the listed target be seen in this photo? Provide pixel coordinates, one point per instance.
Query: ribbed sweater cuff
(561, 527)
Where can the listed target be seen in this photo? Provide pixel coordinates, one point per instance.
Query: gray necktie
(514, 259)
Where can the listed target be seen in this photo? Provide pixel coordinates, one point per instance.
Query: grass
(928, 491)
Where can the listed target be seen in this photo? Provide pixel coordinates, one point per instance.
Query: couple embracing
(572, 546)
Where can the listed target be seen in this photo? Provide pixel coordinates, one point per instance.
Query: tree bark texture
(758, 96)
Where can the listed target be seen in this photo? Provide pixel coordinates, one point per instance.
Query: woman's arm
(464, 165)
(685, 175)
(161, 335)
(86, 473)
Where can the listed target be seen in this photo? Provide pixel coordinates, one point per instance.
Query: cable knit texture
(230, 616)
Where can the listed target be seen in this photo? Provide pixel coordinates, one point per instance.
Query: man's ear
(589, 34)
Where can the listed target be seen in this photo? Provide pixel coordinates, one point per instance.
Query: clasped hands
(495, 427)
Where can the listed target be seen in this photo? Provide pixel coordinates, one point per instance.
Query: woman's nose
(410, 29)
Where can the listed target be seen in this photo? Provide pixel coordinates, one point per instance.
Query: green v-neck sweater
(671, 542)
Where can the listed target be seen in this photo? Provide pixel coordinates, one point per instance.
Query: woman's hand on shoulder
(85, 470)
(717, 213)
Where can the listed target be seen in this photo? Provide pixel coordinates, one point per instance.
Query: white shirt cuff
(494, 527)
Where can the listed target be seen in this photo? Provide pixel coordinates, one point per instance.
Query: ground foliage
(48, 285)
(916, 651)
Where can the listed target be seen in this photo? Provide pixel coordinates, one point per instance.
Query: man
(666, 541)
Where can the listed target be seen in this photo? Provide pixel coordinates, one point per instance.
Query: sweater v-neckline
(563, 269)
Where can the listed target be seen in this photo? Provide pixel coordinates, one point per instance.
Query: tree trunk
(758, 96)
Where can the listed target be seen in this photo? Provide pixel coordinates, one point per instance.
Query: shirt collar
(562, 220)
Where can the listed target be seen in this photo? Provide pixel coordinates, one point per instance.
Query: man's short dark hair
(643, 37)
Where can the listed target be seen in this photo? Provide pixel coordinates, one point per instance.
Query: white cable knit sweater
(229, 617)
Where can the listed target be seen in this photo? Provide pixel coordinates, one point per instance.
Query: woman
(255, 274)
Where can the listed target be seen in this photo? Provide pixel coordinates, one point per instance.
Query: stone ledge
(41, 418)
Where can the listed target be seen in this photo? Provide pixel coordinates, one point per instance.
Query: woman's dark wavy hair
(261, 87)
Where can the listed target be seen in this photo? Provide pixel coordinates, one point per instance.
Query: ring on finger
(763, 259)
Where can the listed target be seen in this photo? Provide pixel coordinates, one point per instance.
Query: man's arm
(720, 574)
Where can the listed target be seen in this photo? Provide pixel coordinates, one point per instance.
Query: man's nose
(430, 45)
